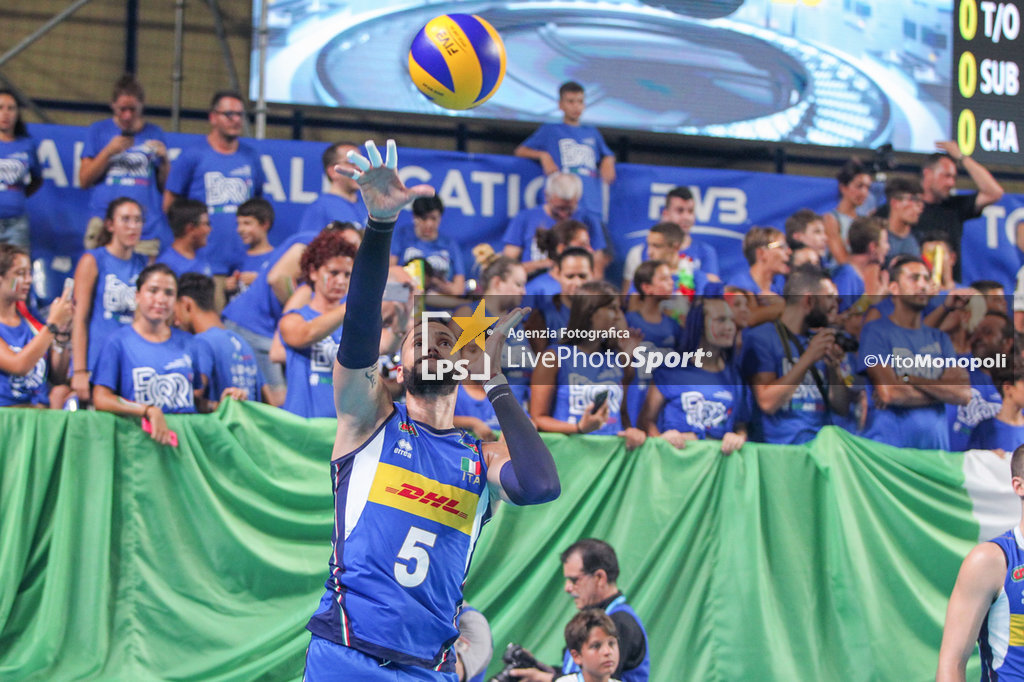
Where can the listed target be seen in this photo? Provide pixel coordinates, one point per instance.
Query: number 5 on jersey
(416, 560)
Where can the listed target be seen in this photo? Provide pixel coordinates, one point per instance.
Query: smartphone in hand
(599, 401)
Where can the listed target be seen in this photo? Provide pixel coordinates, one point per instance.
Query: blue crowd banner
(481, 192)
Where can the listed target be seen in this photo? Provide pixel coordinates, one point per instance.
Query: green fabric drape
(124, 560)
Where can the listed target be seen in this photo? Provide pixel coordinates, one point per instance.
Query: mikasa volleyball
(457, 61)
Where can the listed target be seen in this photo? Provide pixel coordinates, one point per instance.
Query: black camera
(516, 656)
(846, 341)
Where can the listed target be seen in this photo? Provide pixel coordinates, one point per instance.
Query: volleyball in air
(457, 61)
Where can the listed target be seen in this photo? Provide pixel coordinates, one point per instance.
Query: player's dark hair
(577, 630)
(155, 269)
(258, 208)
(184, 212)
(569, 87)
(105, 236)
(421, 206)
(864, 232)
(645, 275)
(595, 555)
(199, 288)
(19, 125)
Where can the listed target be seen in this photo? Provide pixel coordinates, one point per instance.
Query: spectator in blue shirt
(909, 398)
(255, 218)
(572, 268)
(862, 280)
(905, 202)
(20, 174)
(126, 156)
(562, 193)
(190, 225)
(105, 289)
(340, 200)
(311, 334)
(572, 147)
(767, 254)
(654, 285)
(146, 368)
(23, 347)
(1004, 432)
(442, 255)
(222, 172)
(566, 234)
(792, 364)
(225, 362)
(705, 398)
(805, 229)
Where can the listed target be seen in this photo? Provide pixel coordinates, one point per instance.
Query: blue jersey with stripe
(1001, 638)
(409, 506)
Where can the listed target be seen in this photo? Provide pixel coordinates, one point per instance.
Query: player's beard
(416, 385)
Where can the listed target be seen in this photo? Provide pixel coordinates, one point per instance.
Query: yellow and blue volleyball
(457, 61)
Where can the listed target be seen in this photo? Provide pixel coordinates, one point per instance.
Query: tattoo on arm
(371, 376)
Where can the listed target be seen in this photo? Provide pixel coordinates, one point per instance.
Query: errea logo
(403, 448)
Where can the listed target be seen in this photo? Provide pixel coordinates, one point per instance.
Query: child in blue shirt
(423, 240)
(1004, 432)
(190, 224)
(255, 218)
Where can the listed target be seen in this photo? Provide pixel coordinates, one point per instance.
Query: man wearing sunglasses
(591, 570)
(223, 173)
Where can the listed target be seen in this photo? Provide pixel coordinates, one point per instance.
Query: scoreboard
(988, 110)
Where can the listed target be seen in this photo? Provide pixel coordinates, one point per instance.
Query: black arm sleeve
(360, 335)
(632, 647)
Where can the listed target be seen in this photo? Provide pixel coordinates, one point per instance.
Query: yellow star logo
(473, 328)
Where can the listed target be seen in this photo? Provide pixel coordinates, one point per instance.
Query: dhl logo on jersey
(416, 494)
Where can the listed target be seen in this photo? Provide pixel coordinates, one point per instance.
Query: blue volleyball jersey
(409, 507)
(309, 373)
(1001, 637)
(708, 404)
(149, 373)
(579, 383)
(19, 161)
(24, 389)
(131, 173)
(257, 308)
(226, 360)
(113, 300)
(468, 406)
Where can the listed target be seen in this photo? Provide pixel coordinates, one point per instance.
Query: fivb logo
(475, 329)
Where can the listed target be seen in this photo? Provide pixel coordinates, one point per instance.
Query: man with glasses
(905, 204)
(223, 173)
(591, 570)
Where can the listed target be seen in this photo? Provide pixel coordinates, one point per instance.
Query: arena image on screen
(857, 73)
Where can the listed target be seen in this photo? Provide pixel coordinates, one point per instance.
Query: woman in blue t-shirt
(23, 345)
(311, 334)
(105, 289)
(705, 400)
(20, 174)
(585, 369)
(145, 369)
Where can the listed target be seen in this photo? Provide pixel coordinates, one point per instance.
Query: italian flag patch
(470, 466)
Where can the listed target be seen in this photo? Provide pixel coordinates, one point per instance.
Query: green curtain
(124, 560)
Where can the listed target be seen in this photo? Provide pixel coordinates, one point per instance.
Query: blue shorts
(330, 662)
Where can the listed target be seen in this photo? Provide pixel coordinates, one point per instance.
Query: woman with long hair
(24, 345)
(854, 187)
(311, 334)
(20, 173)
(578, 385)
(145, 368)
(105, 289)
(705, 400)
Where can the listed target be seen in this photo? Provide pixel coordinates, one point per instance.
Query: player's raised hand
(383, 191)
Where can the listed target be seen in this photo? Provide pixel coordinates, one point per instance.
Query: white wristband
(495, 381)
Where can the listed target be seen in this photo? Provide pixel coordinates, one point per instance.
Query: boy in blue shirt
(254, 218)
(1004, 432)
(190, 224)
(573, 148)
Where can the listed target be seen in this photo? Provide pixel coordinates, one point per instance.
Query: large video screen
(846, 73)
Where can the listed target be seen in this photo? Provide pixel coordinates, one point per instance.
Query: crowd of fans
(180, 300)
